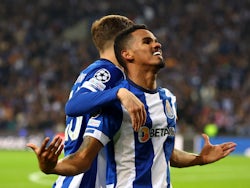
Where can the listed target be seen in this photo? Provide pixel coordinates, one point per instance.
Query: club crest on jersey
(169, 110)
(145, 133)
(102, 75)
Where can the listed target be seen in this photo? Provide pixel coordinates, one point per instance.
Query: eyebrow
(150, 38)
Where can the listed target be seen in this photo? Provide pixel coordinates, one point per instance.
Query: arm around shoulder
(84, 102)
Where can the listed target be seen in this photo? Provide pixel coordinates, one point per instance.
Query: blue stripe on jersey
(168, 144)
(86, 180)
(64, 184)
(89, 176)
(142, 162)
(111, 164)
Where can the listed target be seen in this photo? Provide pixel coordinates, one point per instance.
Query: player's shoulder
(124, 84)
(101, 69)
(102, 73)
(103, 66)
(167, 92)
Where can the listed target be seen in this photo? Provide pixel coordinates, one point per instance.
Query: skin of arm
(209, 154)
(70, 165)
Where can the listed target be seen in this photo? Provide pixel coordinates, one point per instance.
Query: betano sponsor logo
(145, 133)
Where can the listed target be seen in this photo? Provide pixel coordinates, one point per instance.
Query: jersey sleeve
(88, 102)
(94, 88)
(105, 125)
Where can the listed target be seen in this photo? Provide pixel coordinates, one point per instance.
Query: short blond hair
(105, 29)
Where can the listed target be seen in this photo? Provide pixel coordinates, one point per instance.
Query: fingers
(228, 151)
(32, 146)
(36, 149)
(228, 146)
(59, 151)
(144, 116)
(55, 147)
(55, 143)
(206, 139)
(138, 118)
(134, 121)
(44, 144)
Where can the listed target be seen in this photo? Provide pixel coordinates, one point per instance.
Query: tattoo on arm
(85, 143)
(83, 146)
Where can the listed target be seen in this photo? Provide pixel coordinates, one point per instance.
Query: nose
(157, 45)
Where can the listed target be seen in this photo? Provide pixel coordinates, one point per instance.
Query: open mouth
(157, 53)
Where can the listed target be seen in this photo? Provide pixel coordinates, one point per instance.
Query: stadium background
(44, 45)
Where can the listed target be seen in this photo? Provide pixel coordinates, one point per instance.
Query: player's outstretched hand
(134, 106)
(48, 156)
(211, 153)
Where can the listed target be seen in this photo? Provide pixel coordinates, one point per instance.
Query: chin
(161, 64)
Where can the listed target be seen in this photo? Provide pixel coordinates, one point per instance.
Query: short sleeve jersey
(138, 159)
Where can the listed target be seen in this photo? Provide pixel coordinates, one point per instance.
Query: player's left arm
(209, 154)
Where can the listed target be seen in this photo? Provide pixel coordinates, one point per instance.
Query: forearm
(77, 162)
(69, 166)
(84, 102)
(182, 159)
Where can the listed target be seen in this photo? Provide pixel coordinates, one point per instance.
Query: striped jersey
(138, 159)
(101, 76)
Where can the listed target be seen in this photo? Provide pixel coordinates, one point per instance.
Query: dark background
(45, 44)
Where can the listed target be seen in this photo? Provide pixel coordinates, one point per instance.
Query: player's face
(146, 49)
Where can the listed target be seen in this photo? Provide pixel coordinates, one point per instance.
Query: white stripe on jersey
(89, 86)
(59, 182)
(110, 186)
(124, 154)
(96, 134)
(102, 165)
(156, 113)
(76, 181)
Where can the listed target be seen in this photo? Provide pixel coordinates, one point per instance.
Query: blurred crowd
(45, 44)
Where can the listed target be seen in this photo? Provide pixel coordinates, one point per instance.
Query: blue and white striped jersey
(101, 76)
(138, 159)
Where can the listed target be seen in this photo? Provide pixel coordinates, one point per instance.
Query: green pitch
(19, 169)
(230, 172)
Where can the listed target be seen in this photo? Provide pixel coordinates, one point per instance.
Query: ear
(127, 55)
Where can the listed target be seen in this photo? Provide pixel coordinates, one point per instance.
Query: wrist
(201, 160)
(120, 93)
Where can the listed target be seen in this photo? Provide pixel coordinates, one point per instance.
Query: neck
(110, 55)
(144, 78)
